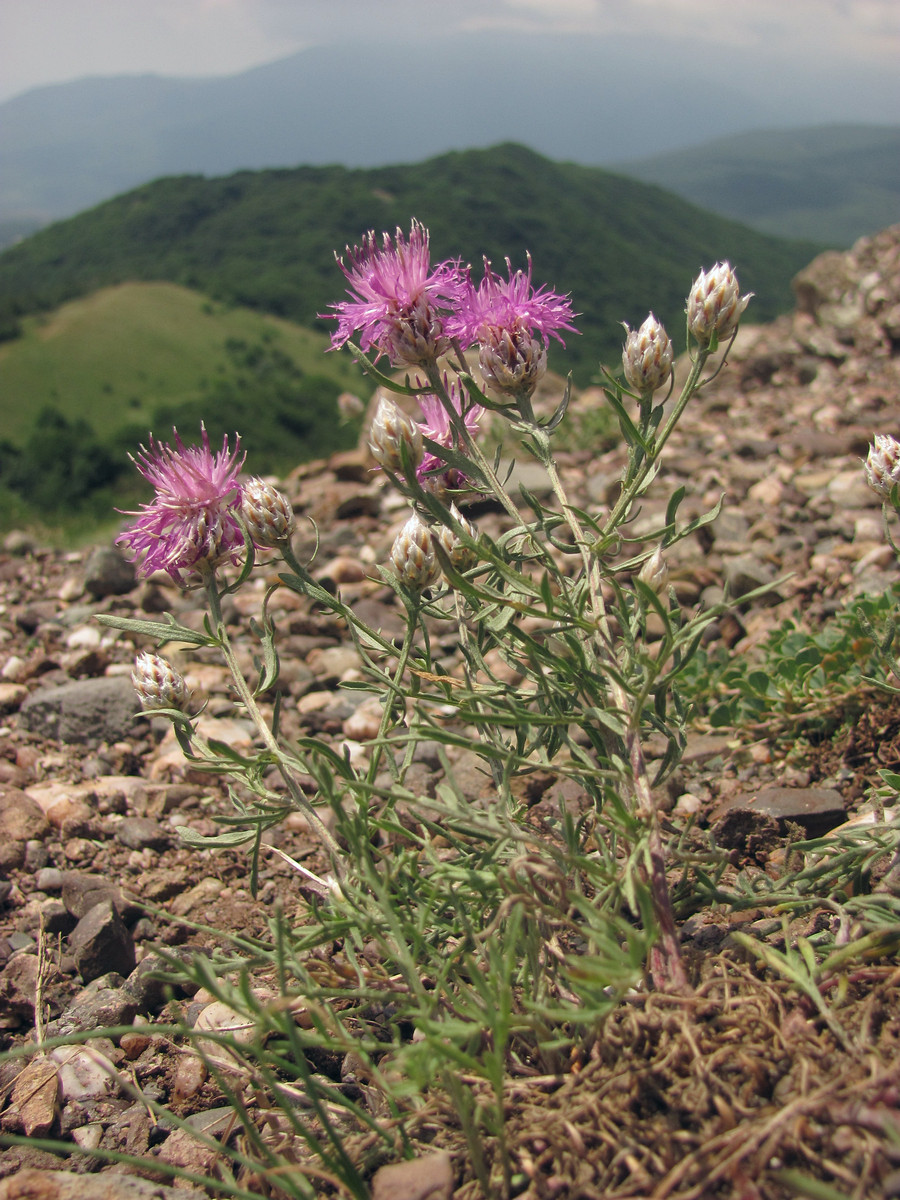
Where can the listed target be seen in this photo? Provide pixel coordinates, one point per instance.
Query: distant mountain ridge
(595, 101)
(832, 183)
(267, 239)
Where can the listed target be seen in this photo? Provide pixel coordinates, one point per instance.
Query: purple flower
(513, 323)
(436, 425)
(396, 298)
(192, 517)
(509, 304)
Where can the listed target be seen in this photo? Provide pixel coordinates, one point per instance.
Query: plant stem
(249, 702)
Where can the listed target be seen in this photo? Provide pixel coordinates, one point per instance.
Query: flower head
(413, 557)
(462, 556)
(883, 465)
(191, 519)
(513, 323)
(715, 304)
(158, 684)
(436, 426)
(392, 431)
(647, 357)
(267, 513)
(396, 298)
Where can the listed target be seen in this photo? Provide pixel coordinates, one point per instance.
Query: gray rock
(95, 1008)
(81, 891)
(138, 833)
(87, 711)
(816, 809)
(108, 573)
(100, 942)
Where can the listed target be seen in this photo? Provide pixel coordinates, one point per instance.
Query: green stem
(667, 967)
(249, 702)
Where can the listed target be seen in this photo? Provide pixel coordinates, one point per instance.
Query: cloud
(43, 41)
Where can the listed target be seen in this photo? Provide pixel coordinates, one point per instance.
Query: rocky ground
(93, 876)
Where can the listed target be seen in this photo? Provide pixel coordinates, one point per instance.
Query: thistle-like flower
(191, 519)
(412, 556)
(158, 684)
(436, 426)
(267, 513)
(397, 298)
(512, 322)
(715, 304)
(647, 357)
(462, 557)
(883, 465)
(392, 431)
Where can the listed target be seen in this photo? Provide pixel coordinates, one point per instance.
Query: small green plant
(798, 679)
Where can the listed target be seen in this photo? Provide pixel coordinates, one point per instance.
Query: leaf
(162, 631)
(236, 837)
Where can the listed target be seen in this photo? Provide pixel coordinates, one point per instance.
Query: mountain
(590, 99)
(267, 239)
(832, 183)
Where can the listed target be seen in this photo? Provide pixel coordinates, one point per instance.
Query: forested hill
(266, 239)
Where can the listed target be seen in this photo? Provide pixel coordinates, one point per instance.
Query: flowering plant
(558, 676)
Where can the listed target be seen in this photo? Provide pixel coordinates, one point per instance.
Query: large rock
(89, 710)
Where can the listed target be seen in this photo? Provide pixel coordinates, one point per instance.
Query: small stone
(427, 1178)
(108, 573)
(138, 833)
(100, 942)
(88, 1136)
(133, 1045)
(190, 1076)
(35, 1096)
(18, 983)
(12, 697)
(84, 1074)
(21, 817)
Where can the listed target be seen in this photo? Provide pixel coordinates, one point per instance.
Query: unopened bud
(267, 513)
(413, 557)
(158, 684)
(462, 557)
(513, 361)
(647, 357)
(391, 430)
(883, 465)
(715, 304)
(655, 572)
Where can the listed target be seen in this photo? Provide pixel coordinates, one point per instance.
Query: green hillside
(82, 386)
(118, 355)
(266, 240)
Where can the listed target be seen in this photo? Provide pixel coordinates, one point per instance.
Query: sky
(55, 41)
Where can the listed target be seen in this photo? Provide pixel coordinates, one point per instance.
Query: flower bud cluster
(267, 513)
(715, 304)
(158, 684)
(883, 465)
(647, 357)
(392, 430)
(412, 556)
